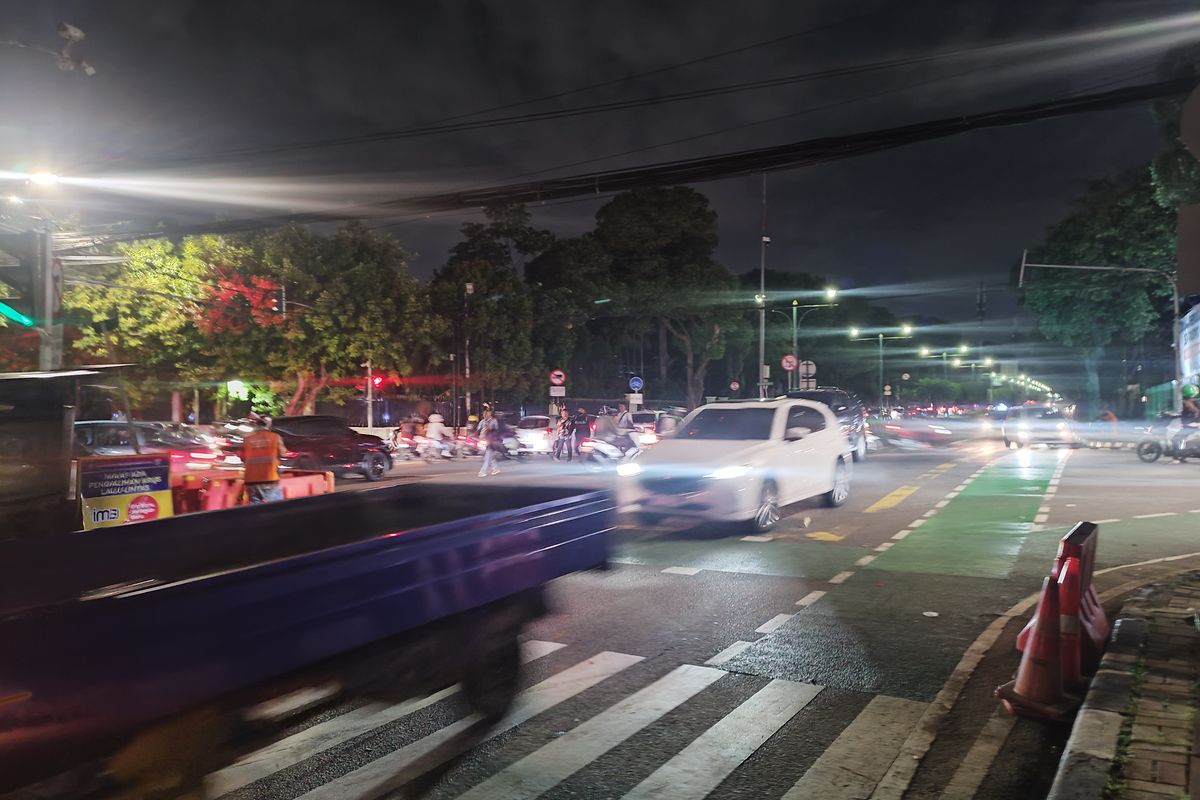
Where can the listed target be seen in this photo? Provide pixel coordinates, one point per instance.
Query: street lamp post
(830, 294)
(1177, 387)
(905, 333)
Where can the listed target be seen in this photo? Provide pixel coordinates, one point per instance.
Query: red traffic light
(377, 381)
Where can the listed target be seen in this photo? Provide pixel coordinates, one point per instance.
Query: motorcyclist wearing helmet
(1189, 418)
(435, 432)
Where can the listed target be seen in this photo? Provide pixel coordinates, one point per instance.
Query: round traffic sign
(904, 376)
(808, 369)
(734, 386)
(636, 383)
(557, 377)
(789, 362)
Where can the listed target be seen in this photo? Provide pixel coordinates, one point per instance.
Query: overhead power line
(698, 170)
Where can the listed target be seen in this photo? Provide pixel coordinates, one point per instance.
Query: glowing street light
(924, 352)
(962, 348)
(14, 200)
(44, 178)
(854, 332)
(830, 293)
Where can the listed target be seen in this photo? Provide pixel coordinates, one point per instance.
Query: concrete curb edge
(1088, 756)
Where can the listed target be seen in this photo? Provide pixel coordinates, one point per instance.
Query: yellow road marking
(891, 499)
(825, 536)
(946, 466)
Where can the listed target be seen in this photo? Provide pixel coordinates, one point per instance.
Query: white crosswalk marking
(859, 757)
(398, 767)
(322, 736)
(707, 761)
(542, 770)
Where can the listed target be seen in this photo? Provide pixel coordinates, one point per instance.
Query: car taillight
(204, 455)
(586, 446)
(592, 427)
(290, 454)
(651, 428)
(178, 455)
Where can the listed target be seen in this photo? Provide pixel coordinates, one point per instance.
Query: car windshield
(315, 426)
(644, 418)
(531, 423)
(729, 423)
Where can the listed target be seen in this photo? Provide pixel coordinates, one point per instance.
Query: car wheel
(375, 466)
(860, 448)
(840, 492)
(767, 515)
(1007, 444)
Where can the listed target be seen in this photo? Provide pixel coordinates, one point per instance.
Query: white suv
(741, 462)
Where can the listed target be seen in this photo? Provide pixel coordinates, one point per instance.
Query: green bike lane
(899, 624)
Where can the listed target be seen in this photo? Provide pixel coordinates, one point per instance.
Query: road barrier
(209, 493)
(1065, 638)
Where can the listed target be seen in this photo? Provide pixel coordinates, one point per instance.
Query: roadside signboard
(808, 369)
(558, 391)
(734, 386)
(634, 399)
(1189, 345)
(557, 377)
(808, 383)
(636, 383)
(789, 362)
(115, 490)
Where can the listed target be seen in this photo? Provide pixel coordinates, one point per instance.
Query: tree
(498, 315)
(1117, 224)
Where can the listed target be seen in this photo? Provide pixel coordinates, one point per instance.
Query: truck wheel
(491, 680)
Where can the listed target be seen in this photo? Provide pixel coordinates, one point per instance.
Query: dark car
(849, 410)
(323, 443)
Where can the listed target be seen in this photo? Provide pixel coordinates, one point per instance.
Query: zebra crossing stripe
(541, 770)
(322, 736)
(388, 773)
(702, 765)
(856, 761)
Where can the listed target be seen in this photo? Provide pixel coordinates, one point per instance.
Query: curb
(1088, 757)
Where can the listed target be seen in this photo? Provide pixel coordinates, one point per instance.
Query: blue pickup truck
(130, 646)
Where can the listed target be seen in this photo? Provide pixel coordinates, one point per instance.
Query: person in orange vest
(261, 451)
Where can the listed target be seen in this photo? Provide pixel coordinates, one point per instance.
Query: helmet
(436, 418)
(1190, 390)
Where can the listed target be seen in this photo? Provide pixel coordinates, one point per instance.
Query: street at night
(610, 401)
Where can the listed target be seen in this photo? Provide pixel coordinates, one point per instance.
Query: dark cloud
(181, 78)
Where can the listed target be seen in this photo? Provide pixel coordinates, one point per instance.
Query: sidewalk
(1135, 737)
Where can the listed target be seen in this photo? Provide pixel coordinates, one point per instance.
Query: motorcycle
(430, 452)
(402, 448)
(1166, 441)
(603, 451)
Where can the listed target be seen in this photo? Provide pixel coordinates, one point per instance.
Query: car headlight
(728, 473)
(1062, 426)
(629, 470)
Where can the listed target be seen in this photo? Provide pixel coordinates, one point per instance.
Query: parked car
(535, 434)
(741, 462)
(1048, 425)
(848, 408)
(188, 447)
(320, 442)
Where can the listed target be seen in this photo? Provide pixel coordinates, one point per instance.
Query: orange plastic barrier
(303, 484)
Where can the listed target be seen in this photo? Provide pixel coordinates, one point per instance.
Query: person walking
(563, 435)
(261, 451)
(579, 430)
(493, 443)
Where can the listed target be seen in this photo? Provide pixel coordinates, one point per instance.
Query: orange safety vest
(260, 453)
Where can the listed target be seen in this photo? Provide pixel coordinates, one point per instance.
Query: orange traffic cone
(1037, 691)
(1069, 600)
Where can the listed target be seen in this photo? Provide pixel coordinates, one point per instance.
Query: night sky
(180, 82)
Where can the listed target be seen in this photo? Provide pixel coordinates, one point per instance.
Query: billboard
(1189, 345)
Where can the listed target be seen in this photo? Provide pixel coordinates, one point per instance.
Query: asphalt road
(825, 660)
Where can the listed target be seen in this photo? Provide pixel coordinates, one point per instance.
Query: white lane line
(961, 486)
(757, 538)
(917, 523)
(930, 512)
(1043, 509)
(971, 770)
(773, 623)
(322, 736)
(862, 562)
(851, 766)
(1040, 519)
(1152, 516)
(543, 769)
(941, 504)
(884, 546)
(901, 535)
(702, 765)
(728, 653)
(810, 598)
(1194, 511)
(396, 768)
(841, 577)
(1105, 521)
(681, 570)
(950, 497)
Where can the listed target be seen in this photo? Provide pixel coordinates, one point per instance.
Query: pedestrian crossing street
(849, 766)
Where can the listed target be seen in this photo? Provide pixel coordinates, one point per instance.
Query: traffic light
(377, 381)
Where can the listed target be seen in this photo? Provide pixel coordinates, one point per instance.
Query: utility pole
(454, 393)
(47, 297)
(793, 376)
(467, 292)
(762, 296)
(370, 395)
